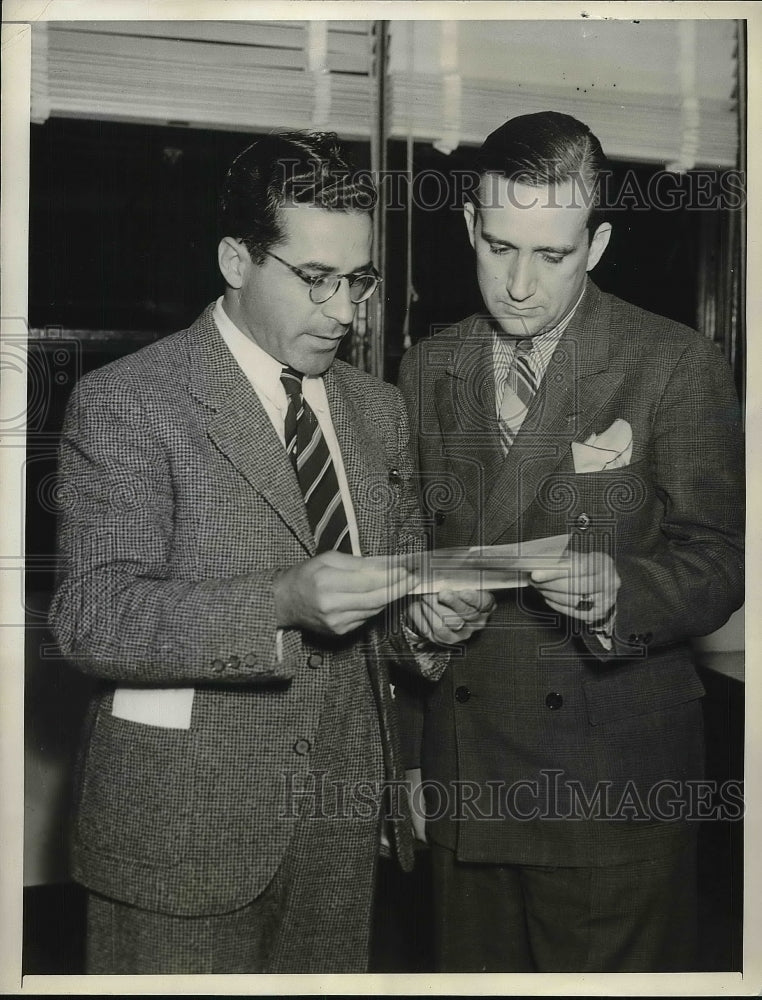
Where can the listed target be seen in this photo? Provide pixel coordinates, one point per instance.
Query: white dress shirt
(263, 372)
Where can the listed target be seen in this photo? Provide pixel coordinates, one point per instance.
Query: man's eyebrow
(318, 265)
(562, 250)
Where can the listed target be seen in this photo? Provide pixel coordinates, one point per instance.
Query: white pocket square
(611, 449)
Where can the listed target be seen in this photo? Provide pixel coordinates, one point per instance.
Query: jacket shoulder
(655, 333)
(362, 383)
(446, 338)
(157, 367)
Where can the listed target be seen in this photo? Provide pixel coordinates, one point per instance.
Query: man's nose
(340, 307)
(520, 282)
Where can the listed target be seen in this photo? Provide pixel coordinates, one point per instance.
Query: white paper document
(485, 567)
(168, 708)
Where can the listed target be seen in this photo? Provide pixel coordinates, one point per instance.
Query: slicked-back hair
(303, 168)
(548, 148)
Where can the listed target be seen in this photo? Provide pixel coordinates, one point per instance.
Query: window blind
(660, 91)
(236, 75)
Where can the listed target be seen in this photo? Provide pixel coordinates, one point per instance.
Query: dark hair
(297, 167)
(547, 148)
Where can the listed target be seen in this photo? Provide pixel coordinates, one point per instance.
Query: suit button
(394, 477)
(462, 694)
(583, 522)
(217, 666)
(635, 637)
(314, 660)
(554, 700)
(250, 659)
(648, 637)
(302, 747)
(233, 663)
(439, 517)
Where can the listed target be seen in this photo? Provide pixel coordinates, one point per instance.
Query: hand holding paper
(335, 593)
(450, 616)
(585, 589)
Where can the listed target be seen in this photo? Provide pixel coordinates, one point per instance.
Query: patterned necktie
(520, 388)
(311, 459)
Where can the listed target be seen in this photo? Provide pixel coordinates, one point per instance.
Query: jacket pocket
(629, 690)
(136, 795)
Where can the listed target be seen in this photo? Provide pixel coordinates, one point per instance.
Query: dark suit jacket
(535, 704)
(181, 504)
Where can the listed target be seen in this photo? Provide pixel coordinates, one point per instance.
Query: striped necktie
(520, 388)
(308, 450)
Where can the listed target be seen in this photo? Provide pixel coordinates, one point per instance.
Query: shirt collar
(259, 367)
(559, 328)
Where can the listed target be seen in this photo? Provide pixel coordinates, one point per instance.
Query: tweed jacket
(180, 506)
(560, 740)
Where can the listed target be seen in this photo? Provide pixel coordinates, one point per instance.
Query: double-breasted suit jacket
(568, 752)
(180, 505)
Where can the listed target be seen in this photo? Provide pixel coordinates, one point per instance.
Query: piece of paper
(486, 567)
(168, 708)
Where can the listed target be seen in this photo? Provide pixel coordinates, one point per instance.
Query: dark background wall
(122, 233)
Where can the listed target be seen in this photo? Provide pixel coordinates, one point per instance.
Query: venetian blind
(660, 91)
(237, 75)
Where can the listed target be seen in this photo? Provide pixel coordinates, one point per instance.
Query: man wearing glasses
(223, 484)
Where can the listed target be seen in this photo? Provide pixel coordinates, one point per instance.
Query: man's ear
(598, 244)
(233, 258)
(469, 214)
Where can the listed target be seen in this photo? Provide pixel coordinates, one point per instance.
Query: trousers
(639, 917)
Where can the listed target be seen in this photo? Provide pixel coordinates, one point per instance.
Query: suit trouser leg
(479, 919)
(639, 917)
(126, 940)
(313, 917)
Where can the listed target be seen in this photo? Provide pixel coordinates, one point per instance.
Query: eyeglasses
(362, 284)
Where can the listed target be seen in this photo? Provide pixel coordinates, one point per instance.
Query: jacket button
(233, 663)
(217, 666)
(315, 660)
(554, 700)
(634, 637)
(250, 659)
(302, 747)
(394, 477)
(462, 694)
(583, 522)
(648, 637)
(439, 517)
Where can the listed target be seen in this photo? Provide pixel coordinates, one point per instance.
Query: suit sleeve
(429, 662)
(118, 611)
(691, 580)
(409, 693)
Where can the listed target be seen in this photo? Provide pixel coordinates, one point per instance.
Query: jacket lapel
(350, 421)
(464, 397)
(577, 384)
(240, 428)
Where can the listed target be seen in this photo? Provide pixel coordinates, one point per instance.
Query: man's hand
(335, 593)
(586, 588)
(450, 616)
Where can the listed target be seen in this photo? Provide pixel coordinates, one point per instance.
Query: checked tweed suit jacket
(180, 506)
(536, 705)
